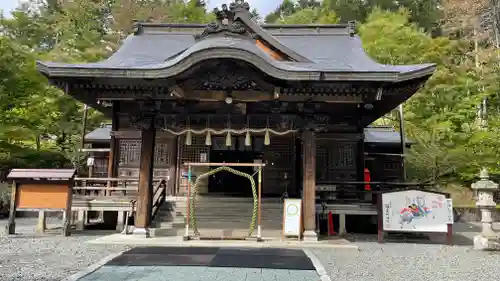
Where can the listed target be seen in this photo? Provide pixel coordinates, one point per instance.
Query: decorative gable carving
(226, 78)
(236, 20)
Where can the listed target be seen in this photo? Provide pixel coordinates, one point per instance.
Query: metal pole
(403, 141)
(259, 229)
(188, 205)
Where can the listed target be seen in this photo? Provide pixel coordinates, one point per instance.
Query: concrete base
(486, 243)
(178, 241)
(141, 232)
(81, 219)
(310, 236)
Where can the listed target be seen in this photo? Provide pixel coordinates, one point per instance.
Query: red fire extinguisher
(367, 179)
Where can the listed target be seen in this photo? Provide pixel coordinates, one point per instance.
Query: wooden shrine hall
(294, 97)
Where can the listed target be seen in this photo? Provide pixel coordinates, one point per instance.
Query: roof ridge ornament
(226, 22)
(239, 4)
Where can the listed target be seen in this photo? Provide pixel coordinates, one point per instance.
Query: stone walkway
(207, 264)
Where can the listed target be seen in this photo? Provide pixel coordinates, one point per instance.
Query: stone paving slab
(273, 258)
(197, 273)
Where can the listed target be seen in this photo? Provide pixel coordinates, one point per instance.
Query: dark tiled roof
(41, 174)
(318, 52)
(372, 135)
(102, 134)
(387, 135)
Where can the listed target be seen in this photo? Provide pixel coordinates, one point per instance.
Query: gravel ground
(415, 262)
(28, 257)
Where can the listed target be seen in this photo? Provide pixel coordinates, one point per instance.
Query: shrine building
(297, 98)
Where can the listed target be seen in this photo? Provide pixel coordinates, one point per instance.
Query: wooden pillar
(113, 145)
(11, 225)
(309, 184)
(145, 196)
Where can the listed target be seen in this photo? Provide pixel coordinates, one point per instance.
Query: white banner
(292, 216)
(416, 211)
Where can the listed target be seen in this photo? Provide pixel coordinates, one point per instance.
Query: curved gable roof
(314, 52)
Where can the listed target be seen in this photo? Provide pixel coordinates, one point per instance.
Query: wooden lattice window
(162, 155)
(335, 160)
(193, 153)
(345, 155)
(130, 153)
(100, 167)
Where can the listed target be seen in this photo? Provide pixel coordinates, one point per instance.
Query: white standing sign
(292, 217)
(416, 211)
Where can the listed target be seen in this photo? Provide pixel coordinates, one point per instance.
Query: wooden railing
(345, 192)
(103, 187)
(159, 196)
(123, 189)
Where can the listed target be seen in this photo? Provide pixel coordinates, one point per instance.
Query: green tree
(442, 117)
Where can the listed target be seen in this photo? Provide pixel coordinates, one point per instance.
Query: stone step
(204, 232)
(229, 206)
(218, 216)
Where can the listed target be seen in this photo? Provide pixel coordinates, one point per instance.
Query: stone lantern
(487, 239)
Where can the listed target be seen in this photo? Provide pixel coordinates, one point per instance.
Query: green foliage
(425, 13)
(15, 156)
(311, 15)
(442, 117)
(451, 143)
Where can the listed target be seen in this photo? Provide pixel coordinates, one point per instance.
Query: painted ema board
(292, 216)
(416, 211)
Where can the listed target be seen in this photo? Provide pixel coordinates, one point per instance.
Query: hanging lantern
(189, 138)
(267, 138)
(248, 139)
(228, 139)
(208, 139)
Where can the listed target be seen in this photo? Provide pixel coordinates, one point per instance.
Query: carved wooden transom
(225, 77)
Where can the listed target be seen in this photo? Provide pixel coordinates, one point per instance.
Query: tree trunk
(38, 144)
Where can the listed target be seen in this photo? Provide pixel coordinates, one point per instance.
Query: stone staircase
(218, 216)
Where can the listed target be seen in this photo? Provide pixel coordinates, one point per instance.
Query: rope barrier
(192, 211)
(232, 131)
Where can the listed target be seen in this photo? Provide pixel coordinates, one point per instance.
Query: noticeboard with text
(292, 217)
(416, 211)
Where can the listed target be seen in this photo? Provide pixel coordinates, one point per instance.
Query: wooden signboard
(292, 218)
(41, 190)
(416, 211)
(42, 196)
